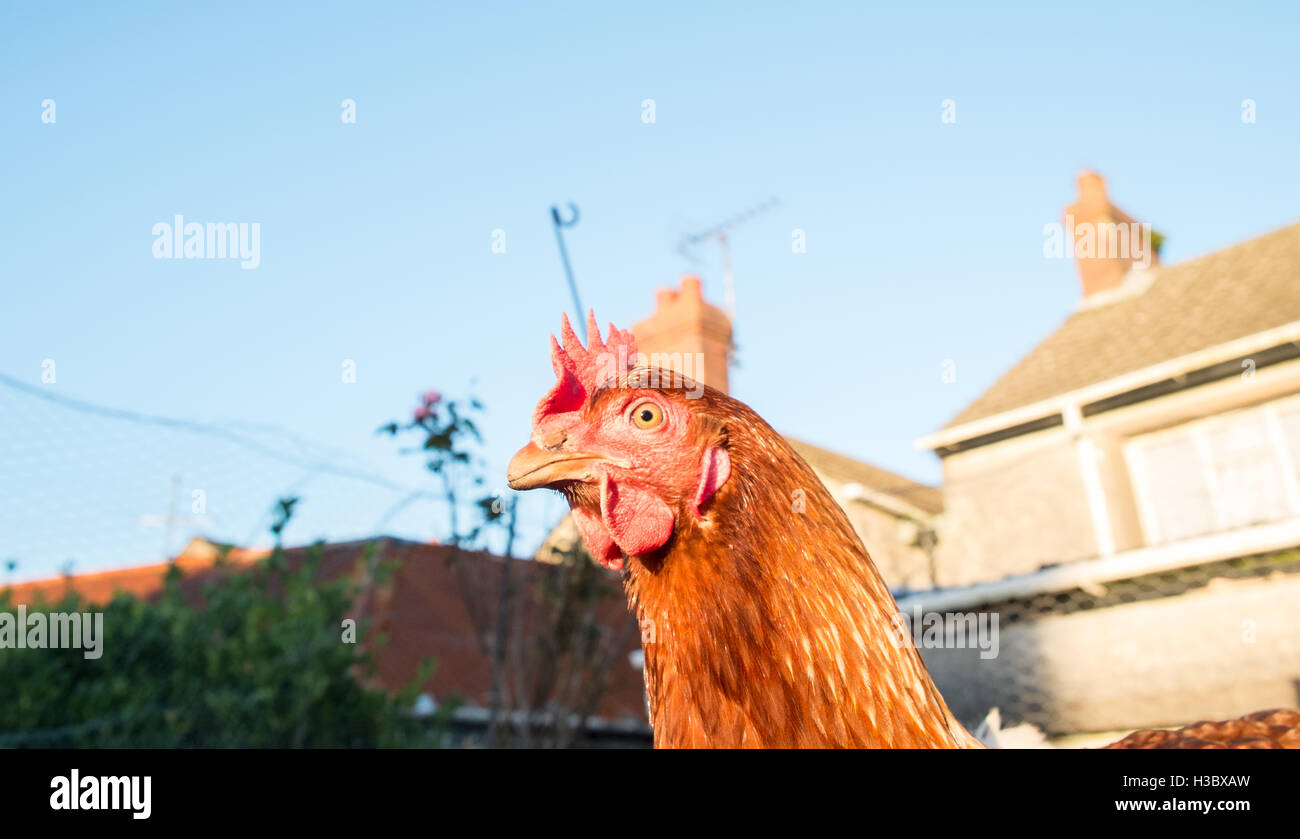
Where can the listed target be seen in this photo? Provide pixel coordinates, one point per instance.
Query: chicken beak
(534, 467)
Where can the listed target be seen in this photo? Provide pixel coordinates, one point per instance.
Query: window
(1289, 420)
(1172, 478)
(1227, 471)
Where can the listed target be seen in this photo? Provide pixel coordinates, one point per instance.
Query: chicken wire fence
(87, 487)
(1214, 640)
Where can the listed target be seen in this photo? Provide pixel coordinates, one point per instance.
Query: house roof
(143, 581)
(1236, 292)
(423, 610)
(847, 470)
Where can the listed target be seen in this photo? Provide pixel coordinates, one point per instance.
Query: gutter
(1090, 573)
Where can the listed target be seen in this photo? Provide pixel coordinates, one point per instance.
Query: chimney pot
(1092, 188)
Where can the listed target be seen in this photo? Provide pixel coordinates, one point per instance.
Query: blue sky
(924, 239)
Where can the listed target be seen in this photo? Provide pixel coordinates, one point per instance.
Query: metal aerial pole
(560, 224)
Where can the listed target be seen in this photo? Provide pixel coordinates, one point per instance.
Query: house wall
(1017, 505)
(1012, 507)
(1217, 652)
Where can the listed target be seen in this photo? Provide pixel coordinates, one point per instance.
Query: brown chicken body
(764, 621)
(761, 621)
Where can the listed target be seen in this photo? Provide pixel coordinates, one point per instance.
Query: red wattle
(637, 519)
(599, 542)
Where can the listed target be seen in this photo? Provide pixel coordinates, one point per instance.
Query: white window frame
(1199, 432)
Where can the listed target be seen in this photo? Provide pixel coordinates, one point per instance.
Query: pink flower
(422, 413)
(432, 397)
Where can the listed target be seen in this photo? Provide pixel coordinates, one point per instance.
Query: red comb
(580, 370)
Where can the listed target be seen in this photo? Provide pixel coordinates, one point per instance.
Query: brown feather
(1275, 729)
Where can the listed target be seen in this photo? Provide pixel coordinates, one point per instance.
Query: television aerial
(721, 233)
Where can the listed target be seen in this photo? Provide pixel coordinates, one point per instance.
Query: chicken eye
(647, 415)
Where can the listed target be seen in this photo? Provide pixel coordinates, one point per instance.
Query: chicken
(764, 621)
(1276, 729)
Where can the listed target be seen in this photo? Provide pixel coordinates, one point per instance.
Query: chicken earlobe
(715, 469)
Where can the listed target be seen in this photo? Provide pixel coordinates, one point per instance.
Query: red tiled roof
(422, 609)
(141, 581)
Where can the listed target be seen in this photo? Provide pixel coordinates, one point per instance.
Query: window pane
(1175, 489)
(1291, 429)
(1248, 472)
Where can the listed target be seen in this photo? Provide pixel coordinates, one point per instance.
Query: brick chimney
(1106, 241)
(691, 335)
